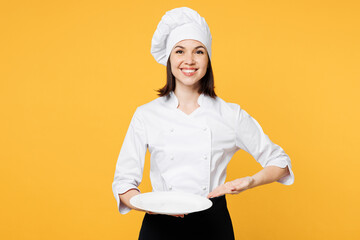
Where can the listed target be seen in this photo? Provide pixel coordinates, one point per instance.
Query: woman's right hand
(180, 215)
(126, 196)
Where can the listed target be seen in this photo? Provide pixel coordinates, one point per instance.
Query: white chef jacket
(190, 152)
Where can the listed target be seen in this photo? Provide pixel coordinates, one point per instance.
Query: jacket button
(172, 130)
(205, 157)
(205, 128)
(172, 157)
(170, 187)
(204, 187)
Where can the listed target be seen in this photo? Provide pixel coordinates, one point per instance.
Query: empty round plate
(171, 203)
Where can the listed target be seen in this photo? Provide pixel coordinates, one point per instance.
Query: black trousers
(213, 223)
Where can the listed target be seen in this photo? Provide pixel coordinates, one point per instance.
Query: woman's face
(189, 61)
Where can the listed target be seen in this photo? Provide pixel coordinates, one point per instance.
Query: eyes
(197, 52)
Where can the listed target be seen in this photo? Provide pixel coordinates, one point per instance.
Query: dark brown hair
(206, 83)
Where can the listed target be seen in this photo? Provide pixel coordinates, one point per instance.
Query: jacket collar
(174, 102)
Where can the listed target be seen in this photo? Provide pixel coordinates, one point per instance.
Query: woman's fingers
(214, 193)
(151, 213)
(233, 187)
(178, 215)
(221, 190)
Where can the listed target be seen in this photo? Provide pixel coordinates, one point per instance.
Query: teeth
(188, 70)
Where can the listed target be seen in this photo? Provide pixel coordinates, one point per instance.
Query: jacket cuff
(123, 209)
(282, 163)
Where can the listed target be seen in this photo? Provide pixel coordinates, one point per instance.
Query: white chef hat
(176, 25)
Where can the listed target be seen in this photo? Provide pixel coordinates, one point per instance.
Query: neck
(187, 96)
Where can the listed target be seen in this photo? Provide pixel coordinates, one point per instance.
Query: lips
(188, 71)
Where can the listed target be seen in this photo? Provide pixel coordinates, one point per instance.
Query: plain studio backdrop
(73, 72)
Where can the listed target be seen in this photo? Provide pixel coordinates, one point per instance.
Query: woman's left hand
(233, 187)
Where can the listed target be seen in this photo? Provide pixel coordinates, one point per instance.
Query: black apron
(213, 223)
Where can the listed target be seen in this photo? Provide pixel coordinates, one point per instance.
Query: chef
(191, 134)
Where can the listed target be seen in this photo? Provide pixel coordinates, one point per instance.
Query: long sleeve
(130, 162)
(251, 138)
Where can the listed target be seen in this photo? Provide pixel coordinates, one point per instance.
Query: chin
(189, 83)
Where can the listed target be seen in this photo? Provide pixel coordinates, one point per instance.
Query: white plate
(171, 203)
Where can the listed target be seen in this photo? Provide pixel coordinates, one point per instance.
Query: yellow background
(73, 72)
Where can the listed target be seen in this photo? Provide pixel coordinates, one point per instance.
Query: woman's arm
(251, 138)
(130, 163)
(267, 175)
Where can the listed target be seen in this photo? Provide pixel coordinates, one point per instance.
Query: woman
(191, 135)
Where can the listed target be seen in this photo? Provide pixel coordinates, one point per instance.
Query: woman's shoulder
(226, 110)
(152, 105)
(229, 105)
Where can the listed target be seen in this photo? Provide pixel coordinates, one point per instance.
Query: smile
(188, 71)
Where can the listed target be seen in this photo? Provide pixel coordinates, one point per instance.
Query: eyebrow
(183, 47)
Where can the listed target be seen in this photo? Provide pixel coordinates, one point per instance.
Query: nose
(189, 58)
